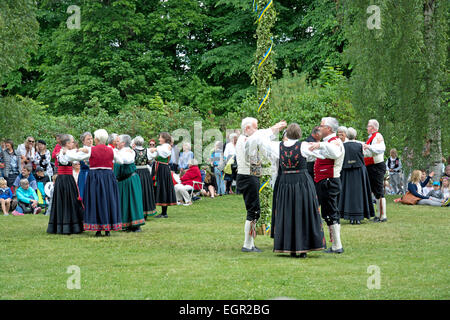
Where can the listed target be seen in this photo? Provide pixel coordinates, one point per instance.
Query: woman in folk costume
(163, 185)
(87, 141)
(297, 221)
(130, 189)
(101, 194)
(141, 161)
(355, 199)
(66, 213)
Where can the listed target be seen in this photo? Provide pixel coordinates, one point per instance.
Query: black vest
(354, 157)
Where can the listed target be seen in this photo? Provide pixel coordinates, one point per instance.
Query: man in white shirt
(374, 159)
(327, 171)
(247, 182)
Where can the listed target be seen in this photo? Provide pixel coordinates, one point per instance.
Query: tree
(398, 71)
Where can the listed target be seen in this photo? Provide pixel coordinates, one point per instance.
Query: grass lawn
(195, 254)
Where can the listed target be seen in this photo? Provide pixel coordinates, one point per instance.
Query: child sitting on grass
(5, 196)
(28, 199)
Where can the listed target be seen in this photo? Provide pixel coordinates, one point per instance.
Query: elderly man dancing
(327, 170)
(374, 159)
(247, 180)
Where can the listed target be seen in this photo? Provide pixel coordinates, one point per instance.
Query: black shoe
(107, 234)
(254, 249)
(358, 222)
(98, 234)
(330, 250)
(162, 216)
(376, 219)
(138, 229)
(293, 255)
(302, 255)
(383, 220)
(352, 221)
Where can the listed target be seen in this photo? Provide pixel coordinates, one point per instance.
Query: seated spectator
(436, 191)
(5, 196)
(41, 176)
(428, 187)
(185, 156)
(28, 199)
(415, 186)
(187, 183)
(26, 174)
(209, 186)
(445, 187)
(27, 151)
(12, 162)
(42, 158)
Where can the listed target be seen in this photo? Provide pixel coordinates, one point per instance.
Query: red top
(323, 168)
(369, 160)
(101, 157)
(191, 175)
(55, 153)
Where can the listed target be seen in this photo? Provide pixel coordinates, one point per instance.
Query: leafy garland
(262, 74)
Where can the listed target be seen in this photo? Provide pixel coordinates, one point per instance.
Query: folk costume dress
(130, 190)
(82, 176)
(355, 200)
(101, 194)
(296, 221)
(66, 213)
(143, 170)
(162, 178)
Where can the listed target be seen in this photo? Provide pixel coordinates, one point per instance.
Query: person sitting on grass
(26, 174)
(210, 185)
(5, 196)
(445, 187)
(415, 186)
(28, 199)
(436, 191)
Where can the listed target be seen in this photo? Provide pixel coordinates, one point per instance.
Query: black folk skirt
(355, 200)
(163, 185)
(148, 194)
(296, 220)
(66, 214)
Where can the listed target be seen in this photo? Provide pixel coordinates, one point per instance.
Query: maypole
(262, 73)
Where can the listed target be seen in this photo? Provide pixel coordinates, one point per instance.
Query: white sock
(336, 229)
(377, 212)
(383, 208)
(248, 242)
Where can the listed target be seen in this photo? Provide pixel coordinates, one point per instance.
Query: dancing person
(315, 136)
(297, 224)
(355, 200)
(101, 194)
(327, 171)
(57, 148)
(163, 185)
(130, 188)
(143, 170)
(374, 159)
(66, 213)
(87, 140)
(342, 133)
(247, 182)
(394, 166)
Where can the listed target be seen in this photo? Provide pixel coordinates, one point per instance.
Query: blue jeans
(220, 182)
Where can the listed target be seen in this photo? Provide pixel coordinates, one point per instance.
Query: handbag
(409, 198)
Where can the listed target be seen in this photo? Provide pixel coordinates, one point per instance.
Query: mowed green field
(195, 254)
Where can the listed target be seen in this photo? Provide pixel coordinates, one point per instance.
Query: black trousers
(248, 185)
(376, 178)
(328, 191)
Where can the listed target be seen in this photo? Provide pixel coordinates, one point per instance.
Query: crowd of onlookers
(33, 164)
(27, 173)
